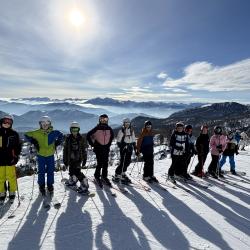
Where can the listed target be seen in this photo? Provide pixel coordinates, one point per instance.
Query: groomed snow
(214, 218)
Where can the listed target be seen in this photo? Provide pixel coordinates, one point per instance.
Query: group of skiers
(183, 147)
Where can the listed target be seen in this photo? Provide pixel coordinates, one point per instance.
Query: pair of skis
(49, 200)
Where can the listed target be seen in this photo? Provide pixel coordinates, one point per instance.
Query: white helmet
(45, 119)
(8, 117)
(75, 125)
(126, 120)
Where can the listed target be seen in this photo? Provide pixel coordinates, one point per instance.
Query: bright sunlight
(76, 18)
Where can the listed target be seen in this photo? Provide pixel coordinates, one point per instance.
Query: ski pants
(75, 169)
(214, 163)
(8, 173)
(102, 157)
(178, 165)
(125, 160)
(201, 161)
(231, 161)
(148, 170)
(46, 165)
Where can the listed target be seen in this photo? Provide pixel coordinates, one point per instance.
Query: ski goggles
(74, 130)
(7, 121)
(104, 119)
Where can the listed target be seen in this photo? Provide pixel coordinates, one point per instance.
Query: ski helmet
(126, 120)
(147, 123)
(7, 118)
(74, 127)
(45, 119)
(217, 130)
(179, 124)
(187, 127)
(103, 117)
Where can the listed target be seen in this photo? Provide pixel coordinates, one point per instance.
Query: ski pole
(17, 189)
(59, 166)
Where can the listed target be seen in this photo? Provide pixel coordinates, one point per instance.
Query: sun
(76, 18)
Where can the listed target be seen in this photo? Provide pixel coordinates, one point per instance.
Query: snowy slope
(214, 218)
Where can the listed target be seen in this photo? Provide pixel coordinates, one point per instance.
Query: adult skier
(100, 138)
(145, 145)
(75, 156)
(45, 140)
(202, 147)
(217, 146)
(178, 147)
(10, 148)
(243, 140)
(126, 143)
(230, 150)
(191, 151)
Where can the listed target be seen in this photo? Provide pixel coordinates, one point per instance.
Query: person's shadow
(117, 230)
(74, 226)
(158, 222)
(33, 227)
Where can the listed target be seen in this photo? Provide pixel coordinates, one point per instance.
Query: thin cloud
(162, 75)
(205, 76)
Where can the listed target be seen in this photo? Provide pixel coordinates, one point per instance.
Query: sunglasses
(104, 119)
(7, 121)
(75, 130)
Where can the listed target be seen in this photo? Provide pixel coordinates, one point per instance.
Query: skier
(100, 137)
(127, 143)
(75, 156)
(145, 145)
(230, 150)
(202, 147)
(243, 140)
(217, 146)
(191, 149)
(10, 149)
(45, 140)
(179, 147)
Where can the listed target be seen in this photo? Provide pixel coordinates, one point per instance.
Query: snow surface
(214, 218)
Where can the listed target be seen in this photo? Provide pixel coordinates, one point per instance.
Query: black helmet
(103, 117)
(217, 130)
(147, 123)
(179, 124)
(187, 127)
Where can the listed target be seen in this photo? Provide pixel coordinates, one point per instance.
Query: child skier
(179, 147)
(100, 138)
(217, 146)
(145, 145)
(45, 140)
(126, 142)
(230, 150)
(75, 156)
(202, 147)
(10, 148)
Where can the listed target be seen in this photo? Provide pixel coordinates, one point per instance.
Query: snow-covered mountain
(213, 218)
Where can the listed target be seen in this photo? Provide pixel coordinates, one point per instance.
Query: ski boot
(233, 172)
(2, 198)
(212, 174)
(84, 186)
(125, 178)
(106, 181)
(153, 179)
(188, 177)
(42, 190)
(117, 178)
(50, 189)
(71, 181)
(12, 197)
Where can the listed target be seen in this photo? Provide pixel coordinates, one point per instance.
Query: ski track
(213, 218)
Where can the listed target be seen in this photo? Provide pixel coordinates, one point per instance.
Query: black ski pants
(178, 165)
(75, 169)
(148, 170)
(125, 160)
(214, 163)
(201, 161)
(102, 157)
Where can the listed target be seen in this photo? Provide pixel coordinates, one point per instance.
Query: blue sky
(161, 50)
